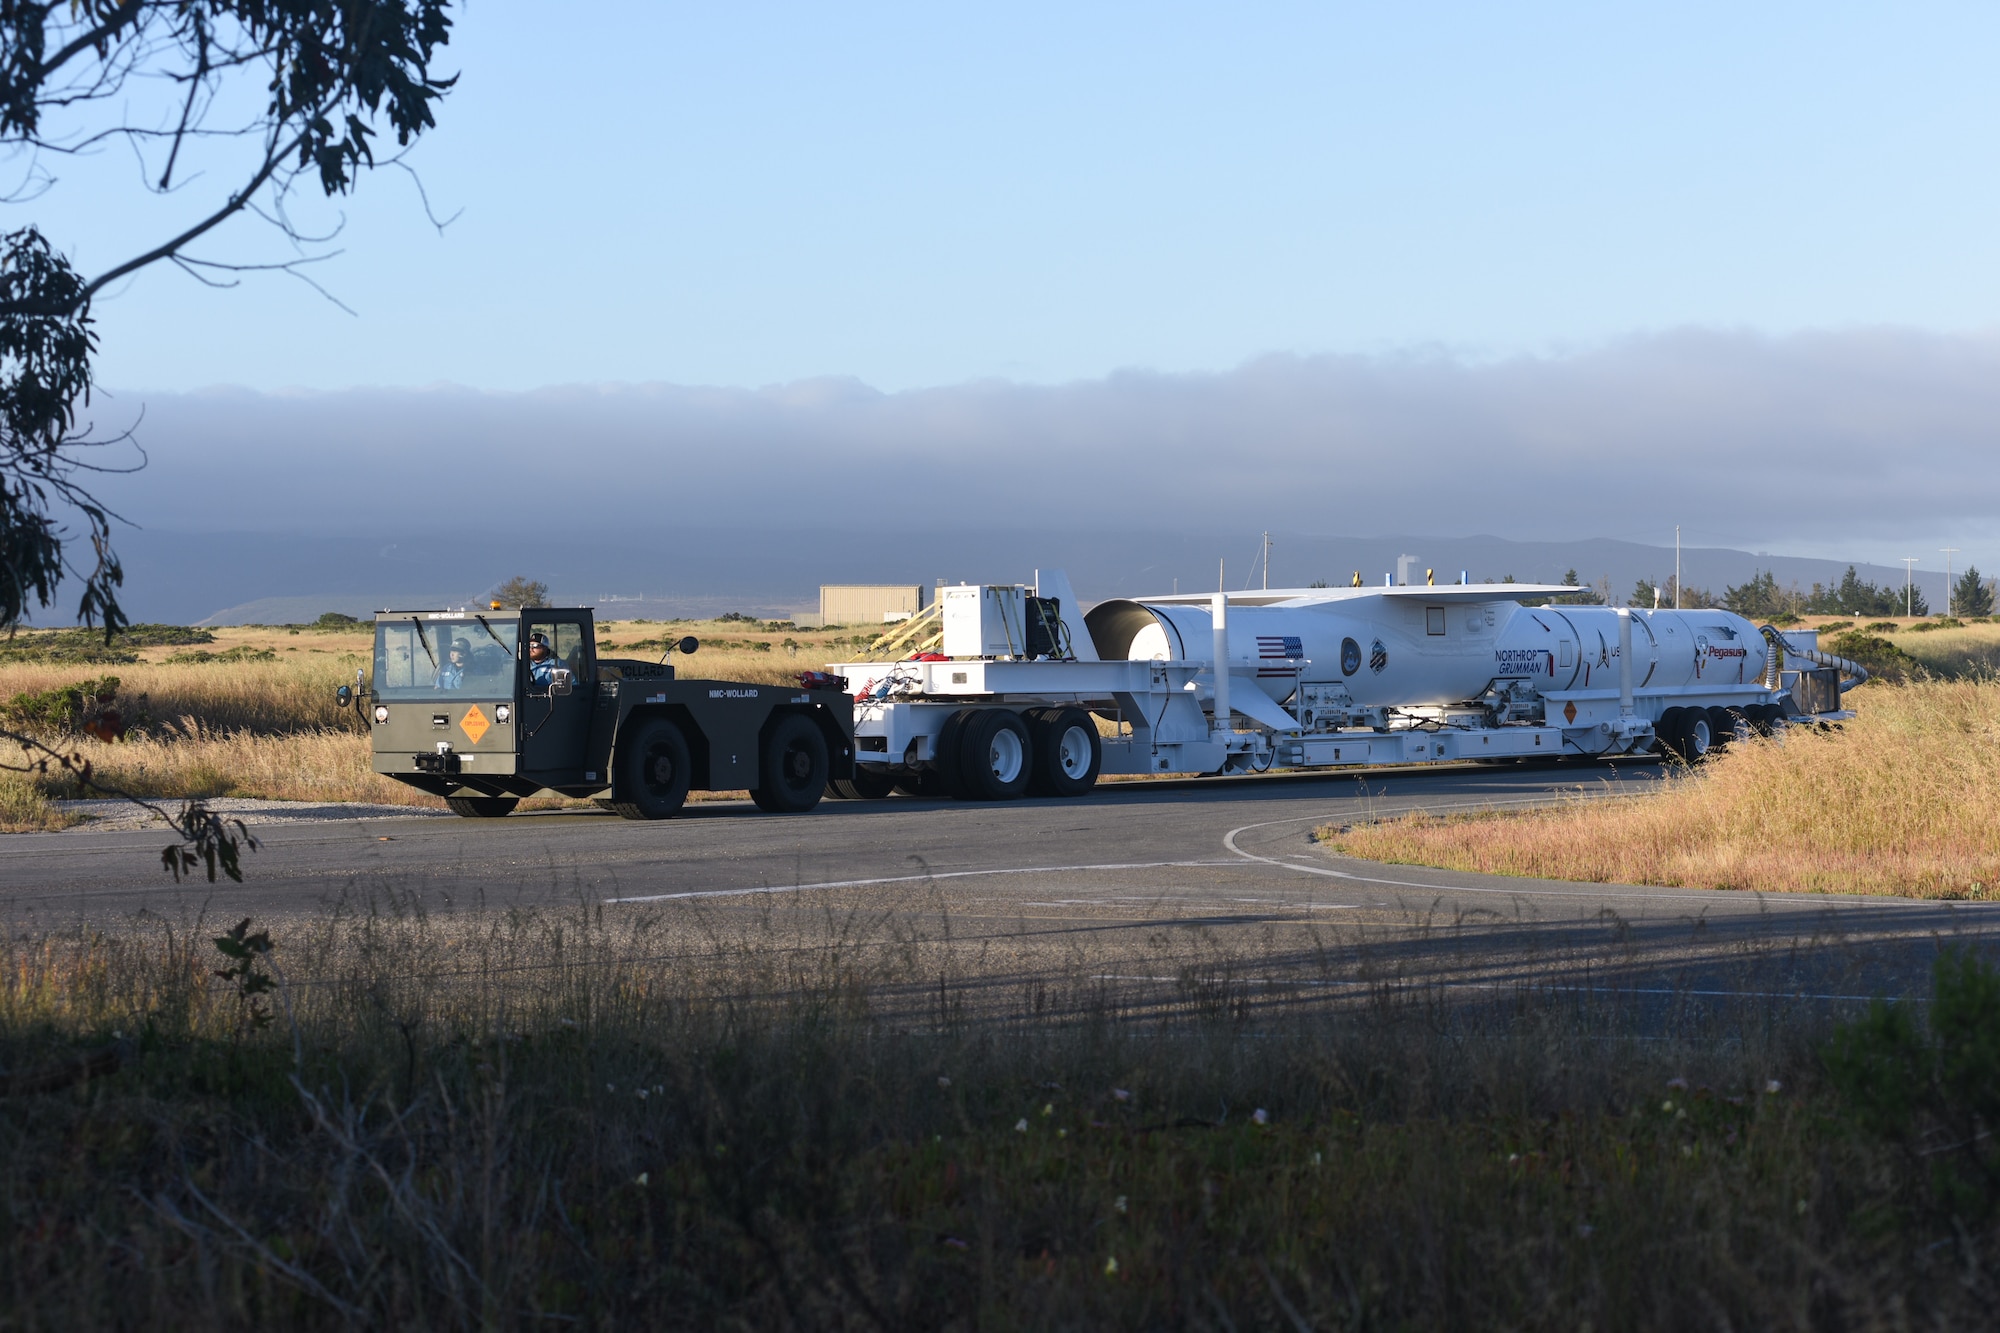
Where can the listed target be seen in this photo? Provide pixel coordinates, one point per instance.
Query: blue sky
(925, 195)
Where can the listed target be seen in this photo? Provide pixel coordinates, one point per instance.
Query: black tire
(920, 784)
(482, 807)
(869, 783)
(1697, 735)
(996, 756)
(1068, 752)
(945, 761)
(654, 770)
(1724, 721)
(791, 771)
(1667, 733)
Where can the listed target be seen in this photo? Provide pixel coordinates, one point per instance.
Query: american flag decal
(1276, 653)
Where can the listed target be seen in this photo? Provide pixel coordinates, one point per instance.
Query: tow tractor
(453, 709)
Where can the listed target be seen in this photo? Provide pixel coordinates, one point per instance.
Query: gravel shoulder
(100, 816)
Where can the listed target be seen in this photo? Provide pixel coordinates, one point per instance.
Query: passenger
(542, 663)
(451, 675)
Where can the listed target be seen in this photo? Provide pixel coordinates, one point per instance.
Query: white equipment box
(984, 620)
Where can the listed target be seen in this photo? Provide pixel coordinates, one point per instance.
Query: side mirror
(688, 644)
(559, 681)
(344, 696)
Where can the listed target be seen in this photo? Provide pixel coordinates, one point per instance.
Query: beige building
(870, 603)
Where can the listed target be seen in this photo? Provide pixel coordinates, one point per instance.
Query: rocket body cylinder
(1402, 651)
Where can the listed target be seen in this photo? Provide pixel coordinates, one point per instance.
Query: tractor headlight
(501, 712)
(381, 712)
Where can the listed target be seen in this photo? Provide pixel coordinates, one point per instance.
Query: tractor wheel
(482, 807)
(654, 770)
(996, 756)
(791, 771)
(1068, 752)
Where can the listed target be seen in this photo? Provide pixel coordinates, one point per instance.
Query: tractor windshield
(437, 657)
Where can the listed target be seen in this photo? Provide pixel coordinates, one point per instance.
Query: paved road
(1145, 883)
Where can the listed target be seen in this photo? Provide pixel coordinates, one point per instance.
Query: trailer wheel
(1068, 752)
(924, 785)
(1667, 733)
(654, 771)
(1697, 735)
(792, 770)
(865, 785)
(1722, 723)
(482, 807)
(948, 752)
(997, 756)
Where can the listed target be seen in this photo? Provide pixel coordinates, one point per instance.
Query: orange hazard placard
(475, 723)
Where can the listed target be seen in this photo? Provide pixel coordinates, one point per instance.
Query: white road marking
(1710, 896)
(913, 879)
(1510, 985)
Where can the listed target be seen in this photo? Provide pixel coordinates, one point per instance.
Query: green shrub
(1883, 659)
(1881, 627)
(1933, 1087)
(68, 711)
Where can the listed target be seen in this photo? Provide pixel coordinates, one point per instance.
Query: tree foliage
(523, 592)
(162, 78)
(229, 105)
(1971, 595)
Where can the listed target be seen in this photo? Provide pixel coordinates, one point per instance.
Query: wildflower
(1678, 1084)
(1802, 1207)
(1111, 1267)
(611, 1087)
(1122, 1094)
(659, 1087)
(1315, 1159)
(1686, 1151)
(943, 1082)
(1021, 1125)
(1667, 1105)
(956, 1243)
(1048, 1108)
(1062, 1133)
(1585, 1231)
(642, 1094)
(640, 1179)
(1261, 1116)
(1119, 1203)
(1773, 1087)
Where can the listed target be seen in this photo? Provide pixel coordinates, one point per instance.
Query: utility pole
(1677, 566)
(1909, 582)
(1949, 552)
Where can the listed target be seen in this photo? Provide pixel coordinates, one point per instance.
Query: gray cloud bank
(1819, 440)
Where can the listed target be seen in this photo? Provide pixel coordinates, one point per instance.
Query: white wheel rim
(1005, 755)
(1073, 753)
(1698, 738)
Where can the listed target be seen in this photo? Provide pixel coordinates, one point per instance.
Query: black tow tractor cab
(486, 707)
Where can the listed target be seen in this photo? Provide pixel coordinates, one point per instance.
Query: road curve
(1220, 868)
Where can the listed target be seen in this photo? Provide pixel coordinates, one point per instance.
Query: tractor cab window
(568, 646)
(413, 658)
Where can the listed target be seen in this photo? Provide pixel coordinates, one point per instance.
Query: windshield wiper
(425, 642)
(489, 632)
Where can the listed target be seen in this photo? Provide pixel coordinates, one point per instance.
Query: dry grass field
(641, 1118)
(1904, 799)
(252, 713)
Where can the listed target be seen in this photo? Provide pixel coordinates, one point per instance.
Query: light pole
(1909, 582)
(1949, 552)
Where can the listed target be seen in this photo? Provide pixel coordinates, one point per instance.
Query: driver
(542, 662)
(451, 673)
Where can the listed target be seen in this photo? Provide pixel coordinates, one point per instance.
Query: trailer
(1001, 690)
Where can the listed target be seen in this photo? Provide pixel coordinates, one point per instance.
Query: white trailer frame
(1164, 727)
